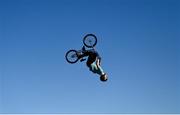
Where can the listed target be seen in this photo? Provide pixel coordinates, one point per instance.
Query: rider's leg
(94, 65)
(96, 69)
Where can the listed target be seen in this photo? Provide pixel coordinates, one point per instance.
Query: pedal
(83, 49)
(82, 60)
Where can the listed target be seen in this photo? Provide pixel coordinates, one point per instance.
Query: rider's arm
(98, 57)
(98, 60)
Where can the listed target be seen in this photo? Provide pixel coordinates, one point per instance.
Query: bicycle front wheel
(90, 40)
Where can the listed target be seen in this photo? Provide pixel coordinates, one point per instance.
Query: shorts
(93, 67)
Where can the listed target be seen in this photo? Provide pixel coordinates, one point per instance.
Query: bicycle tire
(90, 40)
(71, 56)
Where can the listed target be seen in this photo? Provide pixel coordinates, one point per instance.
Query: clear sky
(138, 40)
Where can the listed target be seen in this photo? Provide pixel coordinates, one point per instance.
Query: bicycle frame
(80, 51)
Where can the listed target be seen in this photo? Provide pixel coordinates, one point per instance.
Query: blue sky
(138, 41)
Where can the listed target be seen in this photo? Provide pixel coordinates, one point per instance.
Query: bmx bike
(72, 56)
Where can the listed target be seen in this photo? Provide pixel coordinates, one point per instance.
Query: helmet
(104, 77)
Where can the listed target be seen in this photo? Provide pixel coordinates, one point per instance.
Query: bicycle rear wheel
(71, 56)
(90, 40)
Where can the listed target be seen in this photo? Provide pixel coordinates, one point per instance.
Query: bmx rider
(94, 62)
